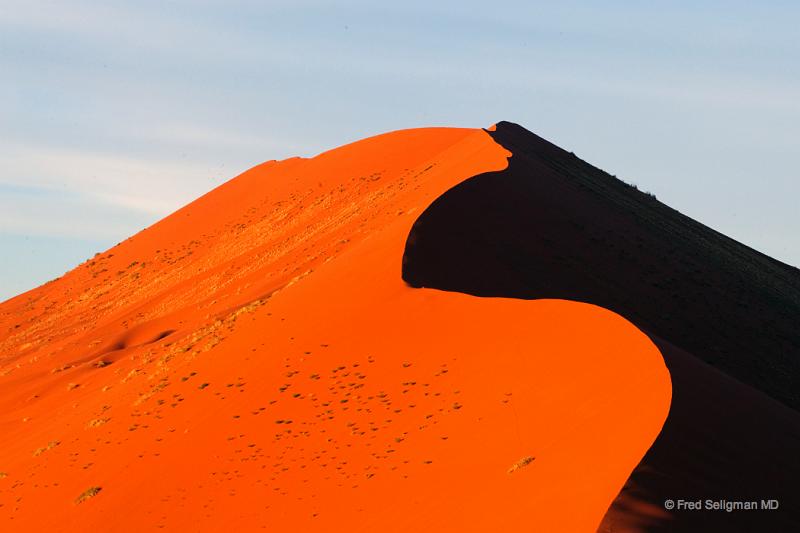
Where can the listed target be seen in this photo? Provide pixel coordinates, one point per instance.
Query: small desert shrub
(525, 461)
(50, 445)
(91, 492)
(97, 422)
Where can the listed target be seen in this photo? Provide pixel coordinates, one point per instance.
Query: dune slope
(256, 361)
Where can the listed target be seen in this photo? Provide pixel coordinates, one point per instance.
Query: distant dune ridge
(435, 329)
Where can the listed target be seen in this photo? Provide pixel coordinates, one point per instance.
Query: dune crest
(255, 360)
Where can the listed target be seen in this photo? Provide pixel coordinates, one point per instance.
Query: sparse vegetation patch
(522, 463)
(97, 422)
(50, 445)
(91, 492)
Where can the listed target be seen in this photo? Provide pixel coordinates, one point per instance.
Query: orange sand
(255, 361)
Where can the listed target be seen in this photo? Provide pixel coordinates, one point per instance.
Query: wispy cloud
(151, 186)
(39, 212)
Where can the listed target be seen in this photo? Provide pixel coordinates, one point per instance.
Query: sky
(114, 114)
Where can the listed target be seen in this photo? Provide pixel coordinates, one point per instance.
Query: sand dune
(284, 353)
(255, 360)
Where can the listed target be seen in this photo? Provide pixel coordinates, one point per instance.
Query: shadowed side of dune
(553, 226)
(723, 441)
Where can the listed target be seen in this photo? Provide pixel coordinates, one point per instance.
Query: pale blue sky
(113, 114)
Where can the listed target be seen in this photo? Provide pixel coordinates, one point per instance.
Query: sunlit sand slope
(256, 360)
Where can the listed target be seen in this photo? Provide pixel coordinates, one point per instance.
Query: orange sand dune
(256, 361)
